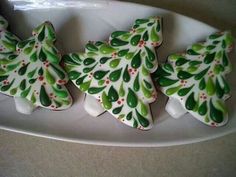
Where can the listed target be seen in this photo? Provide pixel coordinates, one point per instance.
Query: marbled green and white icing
(30, 69)
(196, 79)
(117, 73)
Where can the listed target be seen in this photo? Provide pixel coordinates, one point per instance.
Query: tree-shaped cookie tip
(117, 72)
(196, 78)
(31, 70)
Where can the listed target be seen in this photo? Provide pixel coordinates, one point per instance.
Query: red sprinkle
(60, 81)
(119, 102)
(40, 78)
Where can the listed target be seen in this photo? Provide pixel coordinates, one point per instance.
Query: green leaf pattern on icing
(117, 73)
(197, 78)
(31, 69)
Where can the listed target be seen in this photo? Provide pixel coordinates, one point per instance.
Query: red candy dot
(40, 78)
(119, 102)
(60, 81)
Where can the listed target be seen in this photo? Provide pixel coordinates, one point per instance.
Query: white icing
(34, 66)
(92, 106)
(23, 105)
(174, 108)
(144, 95)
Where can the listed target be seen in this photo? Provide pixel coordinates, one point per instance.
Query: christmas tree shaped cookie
(30, 71)
(8, 43)
(195, 80)
(117, 73)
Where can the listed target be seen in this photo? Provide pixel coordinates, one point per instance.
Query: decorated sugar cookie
(8, 43)
(117, 73)
(30, 70)
(195, 80)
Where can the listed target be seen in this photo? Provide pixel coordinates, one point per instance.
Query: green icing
(135, 39)
(197, 78)
(119, 71)
(112, 94)
(32, 70)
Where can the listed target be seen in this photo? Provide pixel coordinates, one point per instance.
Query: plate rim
(118, 143)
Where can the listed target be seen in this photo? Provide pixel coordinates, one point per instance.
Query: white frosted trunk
(92, 106)
(23, 105)
(174, 108)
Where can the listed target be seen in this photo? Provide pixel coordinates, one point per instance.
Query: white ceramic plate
(74, 27)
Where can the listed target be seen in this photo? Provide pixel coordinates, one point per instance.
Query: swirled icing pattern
(197, 78)
(30, 68)
(117, 73)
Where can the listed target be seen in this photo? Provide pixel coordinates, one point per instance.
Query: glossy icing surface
(117, 73)
(30, 69)
(197, 78)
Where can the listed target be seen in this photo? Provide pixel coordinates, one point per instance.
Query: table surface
(27, 156)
